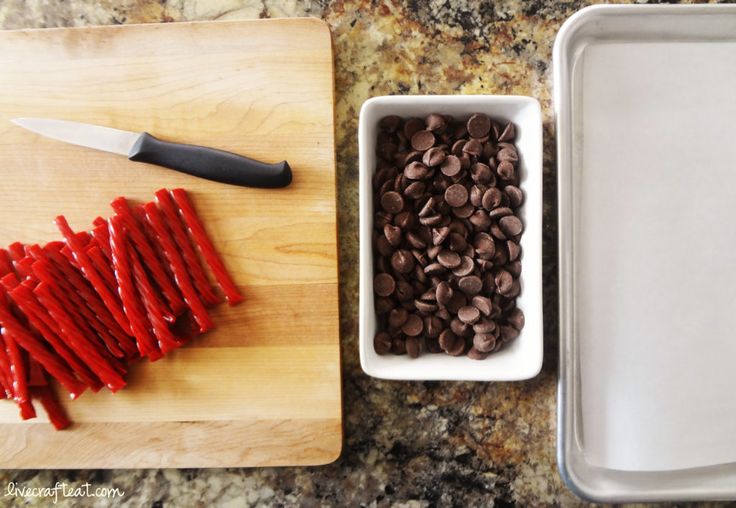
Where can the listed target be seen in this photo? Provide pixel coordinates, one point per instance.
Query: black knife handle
(210, 163)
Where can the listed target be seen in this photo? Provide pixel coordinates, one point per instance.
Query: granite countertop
(406, 443)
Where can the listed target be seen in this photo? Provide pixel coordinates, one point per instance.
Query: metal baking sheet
(645, 103)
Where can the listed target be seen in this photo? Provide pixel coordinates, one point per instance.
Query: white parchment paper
(656, 255)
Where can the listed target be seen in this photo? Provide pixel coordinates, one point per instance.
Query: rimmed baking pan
(645, 105)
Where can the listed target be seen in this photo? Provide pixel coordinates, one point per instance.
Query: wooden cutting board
(264, 387)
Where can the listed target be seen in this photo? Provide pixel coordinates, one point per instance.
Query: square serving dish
(644, 99)
(522, 358)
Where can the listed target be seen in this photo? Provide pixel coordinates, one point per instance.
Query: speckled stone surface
(406, 444)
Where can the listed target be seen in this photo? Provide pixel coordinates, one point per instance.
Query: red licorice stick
(99, 221)
(202, 241)
(150, 259)
(152, 304)
(6, 263)
(52, 406)
(194, 267)
(101, 235)
(101, 265)
(75, 284)
(40, 319)
(178, 267)
(74, 338)
(91, 274)
(126, 289)
(16, 250)
(50, 360)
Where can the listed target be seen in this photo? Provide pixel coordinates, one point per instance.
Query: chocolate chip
(463, 212)
(479, 125)
(412, 126)
(436, 122)
(402, 261)
(465, 267)
(458, 349)
(515, 318)
(383, 305)
(480, 220)
(404, 220)
(397, 317)
(511, 225)
(504, 281)
(456, 195)
(384, 284)
(507, 154)
(505, 170)
(392, 202)
(425, 307)
(470, 285)
(483, 304)
(398, 345)
(484, 245)
(509, 333)
(474, 354)
(451, 166)
(382, 343)
(508, 134)
(404, 291)
(433, 326)
(416, 171)
(439, 235)
(443, 293)
(516, 197)
(422, 140)
(481, 173)
(392, 234)
(457, 301)
(484, 342)
(434, 269)
(460, 328)
(499, 212)
(415, 190)
(447, 339)
(413, 347)
(473, 147)
(485, 326)
(413, 325)
(491, 199)
(468, 314)
(448, 259)
(434, 157)
(514, 250)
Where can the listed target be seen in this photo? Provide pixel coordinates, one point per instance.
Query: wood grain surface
(263, 388)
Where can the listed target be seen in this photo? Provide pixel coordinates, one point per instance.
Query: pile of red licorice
(81, 310)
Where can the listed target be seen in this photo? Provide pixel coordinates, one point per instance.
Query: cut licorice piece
(178, 267)
(91, 274)
(150, 259)
(203, 243)
(54, 410)
(178, 231)
(21, 393)
(126, 288)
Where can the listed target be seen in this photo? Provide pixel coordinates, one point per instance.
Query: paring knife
(209, 163)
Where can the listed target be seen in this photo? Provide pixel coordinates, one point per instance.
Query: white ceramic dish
(643, 94)
(522, 359)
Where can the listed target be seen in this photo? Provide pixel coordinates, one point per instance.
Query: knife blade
(200, 161)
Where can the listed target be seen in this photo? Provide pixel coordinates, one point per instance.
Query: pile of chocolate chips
(446, 236)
